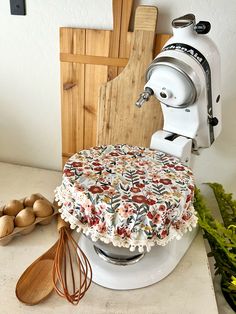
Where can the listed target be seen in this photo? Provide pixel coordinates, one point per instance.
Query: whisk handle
(61, 223)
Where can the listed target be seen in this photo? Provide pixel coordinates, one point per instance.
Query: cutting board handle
(145, 18)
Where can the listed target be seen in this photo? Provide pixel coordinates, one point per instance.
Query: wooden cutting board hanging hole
(89, 59)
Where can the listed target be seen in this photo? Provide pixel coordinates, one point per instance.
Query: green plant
(221, 237)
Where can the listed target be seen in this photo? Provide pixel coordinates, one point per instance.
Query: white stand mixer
(185, 78)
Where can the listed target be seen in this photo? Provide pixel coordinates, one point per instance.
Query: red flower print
(95, 189)
(68, 173)
(114, 154)
(111, 192)
(105, 187)
(84, 220)
(94, 211)
(139, 199)
(156, 218)
(93, 221)
(165, 181)
(125, 197)
(126, 211)
(140, 172)
(140, 185)
(167, 221)
(176, 224)
(81, 209)
(185, 217)
(123, 232)
(77, 164)
(162, 208)
(179, 168)
(99, 169)
(189, 197)
(79, 188)
(135, 190)
(170, 165)
(130, 153)
(150, 202)
(141, 163)
(149, 215)
(191, 187)
(155, 176)
(102, 227)
(163, 233)
(96, 164)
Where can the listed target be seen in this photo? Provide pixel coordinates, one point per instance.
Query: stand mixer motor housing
(185, 78)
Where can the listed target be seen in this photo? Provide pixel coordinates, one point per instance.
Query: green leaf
(227, 205)
(221, 237)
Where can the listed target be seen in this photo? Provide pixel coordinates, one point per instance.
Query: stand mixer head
(185, 78)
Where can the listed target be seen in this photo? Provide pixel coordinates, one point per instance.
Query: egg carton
(18, 231)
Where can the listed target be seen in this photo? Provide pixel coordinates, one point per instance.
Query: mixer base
(153, 267)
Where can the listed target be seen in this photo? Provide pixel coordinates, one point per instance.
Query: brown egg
(29, 201)
(42, 208)
(25, 217)
(13, 208)
(6, 225)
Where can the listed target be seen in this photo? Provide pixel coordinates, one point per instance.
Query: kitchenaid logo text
(205, 65)
(187, 49)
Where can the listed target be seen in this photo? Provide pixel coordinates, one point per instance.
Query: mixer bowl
(114, 254)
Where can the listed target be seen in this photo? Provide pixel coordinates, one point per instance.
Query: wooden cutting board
(91, 58)
(119, 120)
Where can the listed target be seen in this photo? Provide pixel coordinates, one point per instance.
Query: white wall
(29, 77)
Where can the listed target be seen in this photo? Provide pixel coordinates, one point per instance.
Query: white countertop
(187, 290)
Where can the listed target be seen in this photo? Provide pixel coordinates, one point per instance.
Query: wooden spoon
(36, 283)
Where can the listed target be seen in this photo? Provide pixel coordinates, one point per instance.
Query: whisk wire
(68, 252)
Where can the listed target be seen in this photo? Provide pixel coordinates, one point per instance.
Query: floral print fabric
(127, 195)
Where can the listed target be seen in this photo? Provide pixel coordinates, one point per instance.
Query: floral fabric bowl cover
(128, 196)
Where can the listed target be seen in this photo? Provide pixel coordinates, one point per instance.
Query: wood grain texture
(119, 120)
(115, 36)
(124, 47)
(36, 282)
(121, 18)
(86, 59)
(72, 41)
(97, 44)
(144, 20)
(160, 40)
